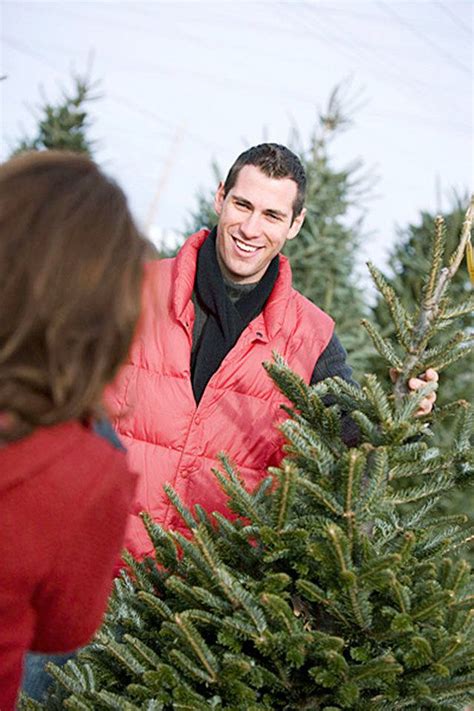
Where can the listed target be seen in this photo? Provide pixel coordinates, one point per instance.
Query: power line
(379, 66)
(460, 25)
(388, 9)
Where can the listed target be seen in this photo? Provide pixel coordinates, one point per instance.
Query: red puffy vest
(171, 440)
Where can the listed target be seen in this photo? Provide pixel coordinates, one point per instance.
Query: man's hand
(430, 376)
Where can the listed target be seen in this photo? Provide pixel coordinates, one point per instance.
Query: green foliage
(410, 264)
(203, 215)
(63, 126)
(324, 255)
(415, 263)
(337, 587)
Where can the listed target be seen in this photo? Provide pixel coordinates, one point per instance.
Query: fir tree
(409, 264)
(63, 126)
(336, 586)
(203, 215)
(324, 255)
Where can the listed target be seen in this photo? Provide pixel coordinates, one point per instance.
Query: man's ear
(297, 224)
(219, 198)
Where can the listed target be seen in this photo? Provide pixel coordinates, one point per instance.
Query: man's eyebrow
(241, 199)
(277, 213)
(269, 211)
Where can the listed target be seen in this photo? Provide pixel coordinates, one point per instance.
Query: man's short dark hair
(275, 161)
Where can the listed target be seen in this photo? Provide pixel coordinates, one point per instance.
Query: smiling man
(194, 385)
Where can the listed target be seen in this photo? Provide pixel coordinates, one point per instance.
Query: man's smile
(244, 246)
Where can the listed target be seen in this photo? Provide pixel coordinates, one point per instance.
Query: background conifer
(63, 125)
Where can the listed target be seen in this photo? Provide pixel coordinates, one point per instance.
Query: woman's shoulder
(68, 450)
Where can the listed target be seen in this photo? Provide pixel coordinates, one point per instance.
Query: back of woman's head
(70, 276)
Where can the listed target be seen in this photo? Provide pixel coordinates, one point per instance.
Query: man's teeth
(245, 247)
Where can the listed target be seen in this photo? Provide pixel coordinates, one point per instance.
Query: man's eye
(273, 218)
(241, 204)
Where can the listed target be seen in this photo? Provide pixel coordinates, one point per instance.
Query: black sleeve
(333, 362)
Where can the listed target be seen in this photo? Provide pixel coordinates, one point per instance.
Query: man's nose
(251, 226)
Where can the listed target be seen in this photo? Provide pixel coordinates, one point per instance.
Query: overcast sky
(183, 83)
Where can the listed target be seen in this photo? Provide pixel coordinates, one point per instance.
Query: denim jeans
(36, 680)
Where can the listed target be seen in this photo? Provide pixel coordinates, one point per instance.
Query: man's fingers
(426, 405)
(416, 383)
(431, 375)
(394, 373)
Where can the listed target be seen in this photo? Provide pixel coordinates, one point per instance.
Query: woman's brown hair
(71, 265)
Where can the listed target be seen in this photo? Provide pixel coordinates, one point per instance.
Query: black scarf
(225, 321)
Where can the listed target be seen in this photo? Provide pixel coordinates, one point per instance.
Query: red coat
(169, 438)
(64, 496)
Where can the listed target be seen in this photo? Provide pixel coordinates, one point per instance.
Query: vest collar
(265, 325)
(184, 273)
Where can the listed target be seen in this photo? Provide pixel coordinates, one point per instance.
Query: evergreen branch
(378, 399)
(165, 548)
(355, 465)
(436, 259)
(439, 351)
(197, 595)
(139, 574)
(115, 702)
(156, 605)
(122, 654)
(199, 647)
(457, 686)
(284, 496)
(377, 482)
(377, 667)
(462, 351)
(280, 610)
(371, 432)
(400, 317)
(313, 592)
(382, 345)
(188, 666)
(435, 602)
(322, 496)
(240, 597)
(178, 505)
(349, 579)
(289, 383)
(145, 653)
(78, 704)
(430, 308)
(462, 309)
(240, 501)
(421, 492)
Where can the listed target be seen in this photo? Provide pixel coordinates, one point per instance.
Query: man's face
(255, 220)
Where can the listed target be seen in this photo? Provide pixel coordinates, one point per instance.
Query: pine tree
(203, 215)
(336, 586)
(324, 255)
(409, 264)
(64, 125)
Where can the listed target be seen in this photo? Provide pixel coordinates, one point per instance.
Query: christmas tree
(324, 256)
(336, 586)
(63, 126)
(409, 264)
